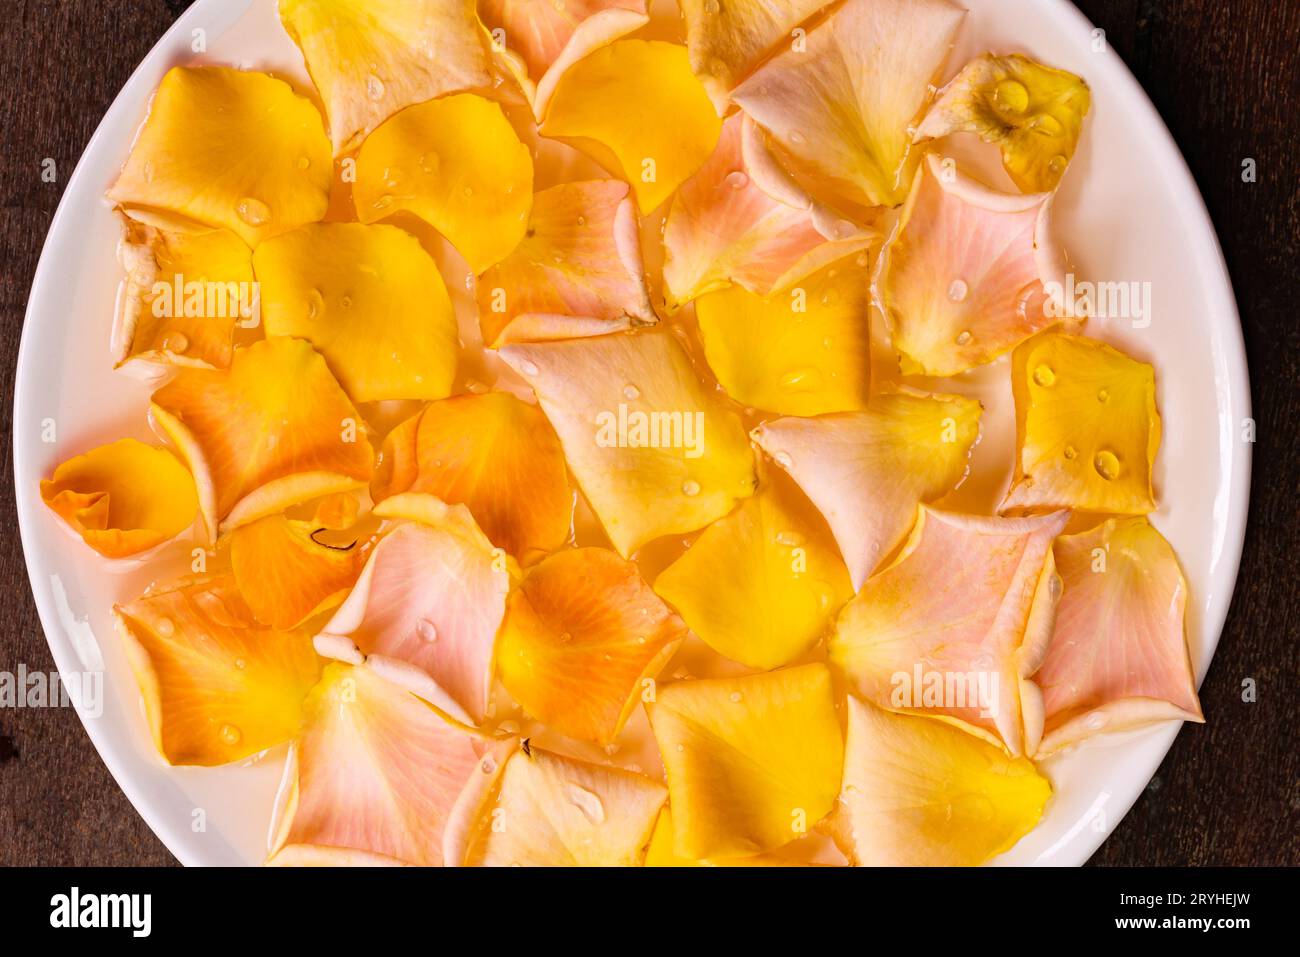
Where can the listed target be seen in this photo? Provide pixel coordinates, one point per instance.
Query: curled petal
(965, 277)
(727, 40)
(217, 686)
(457, 164)
(582, 632)
(918, 793)
(494, 454)
(373, 776)
(760, 586)
(1118, 657)
(544, 38)
(635, 107)
(955, 625)
(186, 288)
(285, 574)
(804, 351)
(752, 762)
(273, 430)
(373, 58)
(723, 228)
(350, 290)
(1087, 428)
(230, 148)
(581, 260)
(654, 451)
(432, 594)
(123, 498)
(867, 471)
(840, 108)
(1032, 112)
(546, 810)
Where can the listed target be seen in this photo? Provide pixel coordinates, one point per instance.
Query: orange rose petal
(432, 595)
(284, 574)
(373, 776)
(186, 288)
(230, 148)
(582, 631)
(273, 430)
(123, 498)
(492, 453)
(956, 624)
(546, 810)
(217, 686)
(581, 259)
(348, 289)
(373, 58)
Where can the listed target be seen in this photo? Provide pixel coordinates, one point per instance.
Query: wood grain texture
(1226, 78)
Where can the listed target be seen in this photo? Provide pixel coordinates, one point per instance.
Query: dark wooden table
(1226, 78)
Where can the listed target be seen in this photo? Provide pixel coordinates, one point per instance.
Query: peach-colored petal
(728, 39)
(840, 106)
(954, 626)
(652, 449)
(432, 594)
(867, 471)
(375, 772)
(1118, 658)
(722, 228)
(965, 277)
(546, 810)
(581, 259)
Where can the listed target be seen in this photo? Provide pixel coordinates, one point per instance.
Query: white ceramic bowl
(1128, 211)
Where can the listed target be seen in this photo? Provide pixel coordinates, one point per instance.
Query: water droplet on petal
(1044, 376)
(1095, 721)
(1103, 396)
(1057, 164)
(230, 734)
(631, 392)
(783, 459)
(374, 87)
(427, 630)
(691, 487)
(958, 290)
(253, 211)
(175, 343)
(165, 627)
(965, 338)
(737, 180)
(1012, 96)
(586, 802)
(304, 162)
(527, 367)
(315, 301)
(736, 697)
(1070, 452)
(1107, 465)
(1046, 125)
